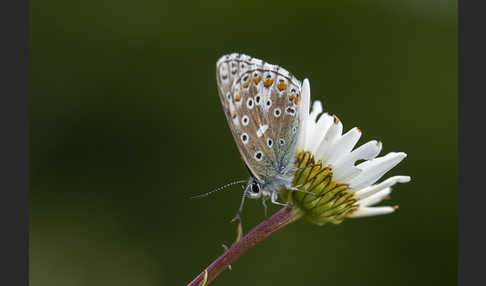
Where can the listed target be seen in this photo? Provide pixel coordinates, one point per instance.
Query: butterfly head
(254, 189)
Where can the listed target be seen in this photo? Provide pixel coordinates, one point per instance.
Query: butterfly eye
(255, 188)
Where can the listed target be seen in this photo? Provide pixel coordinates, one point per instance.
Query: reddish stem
(274, 223)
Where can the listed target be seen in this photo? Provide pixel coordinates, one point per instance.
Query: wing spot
(249, 103)
(262, 130)
(268, 103)
(257, 99)
(281, 141)
(290, 110)
(268, 82)
(296, 100)
(245, 120)
(256, 77)
(244, 138)
(277, 112)
(269, 142)
(281, 85)
(258, 155)
(237, 96)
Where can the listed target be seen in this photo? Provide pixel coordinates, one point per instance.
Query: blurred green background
(126, 125)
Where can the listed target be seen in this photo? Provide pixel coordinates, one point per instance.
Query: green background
(126, 126)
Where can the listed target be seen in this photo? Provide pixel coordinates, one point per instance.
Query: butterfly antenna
(218, 189)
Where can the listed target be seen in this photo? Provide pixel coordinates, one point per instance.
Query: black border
(14, 123)
(472, 80)
(14, 156)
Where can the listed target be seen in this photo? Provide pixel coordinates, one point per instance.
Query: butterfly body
(262, 105)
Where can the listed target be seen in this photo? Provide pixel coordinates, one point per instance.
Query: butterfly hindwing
(260, 103)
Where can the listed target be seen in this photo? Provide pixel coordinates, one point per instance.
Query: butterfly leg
(274, 199)
(237, 216)
(291, 188)
(264, 205)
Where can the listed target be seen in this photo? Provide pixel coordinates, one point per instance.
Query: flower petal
(310, 131)
(375, 198)
(371, 211)
(334, 132)
(320, 129)
(368, 191)
(343, 145)
(344, 169)
(374, 169)
(304, 113)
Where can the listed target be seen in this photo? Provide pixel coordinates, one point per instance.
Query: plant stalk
(269, 226)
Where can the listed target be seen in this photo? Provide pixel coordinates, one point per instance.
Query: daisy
(326, 162)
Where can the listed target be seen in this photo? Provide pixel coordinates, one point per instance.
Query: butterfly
(263, 106)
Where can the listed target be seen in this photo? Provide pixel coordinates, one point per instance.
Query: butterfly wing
(260, 101)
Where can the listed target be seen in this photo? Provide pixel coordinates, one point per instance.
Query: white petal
(375, 198)
(332, 134)
(374, 169)
(367, 151)
(363, 193)
(304, 113)
(344, 145)
(344, 169)
(316, 110)
(371, 211)
(320, 130)
(311, 123)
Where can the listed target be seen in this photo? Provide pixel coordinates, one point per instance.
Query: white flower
(327, 147)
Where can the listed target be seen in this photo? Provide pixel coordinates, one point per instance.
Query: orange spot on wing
(256, 80)
(246, 84)
(237, 96)
(296, 100)
(233, 113)
(281, 85)
(268, 82)
(291, 97)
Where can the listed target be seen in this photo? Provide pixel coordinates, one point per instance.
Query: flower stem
(274, 223)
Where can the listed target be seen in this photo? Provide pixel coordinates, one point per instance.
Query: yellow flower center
(332, 202)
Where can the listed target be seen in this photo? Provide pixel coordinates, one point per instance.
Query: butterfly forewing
(260, 103)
